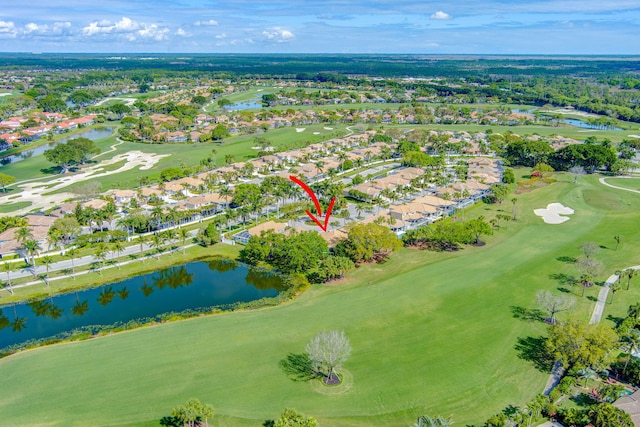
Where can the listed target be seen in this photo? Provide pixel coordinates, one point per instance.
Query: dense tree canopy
(368, 241)
(589, 156)
(580, 345)
(76, 151)
(297, 252)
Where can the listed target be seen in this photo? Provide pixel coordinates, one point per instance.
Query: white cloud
(278, 35)
(152, 32)
(182, 33)
(125, 25)
(7, 30)
(221, 36)
(209, 23)
(127, 28)
(32, 28)
(440, 16)
(58, 28)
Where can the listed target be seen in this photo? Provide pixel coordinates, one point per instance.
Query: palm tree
(617, 238)
(142, 239)
(614, 288)
(47, 260)
(631, 345)
(101, 253)
(157, 241)
(630, 273)
(226, 192)
(169, 236)
(32, 246)
(183, 234)
(23, 234)
(119, 247)
(618, 274)
(7, 269)
(634, 311)
(72, 253)
(587, 374)
(427, 421)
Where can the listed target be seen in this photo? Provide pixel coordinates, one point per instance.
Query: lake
(92, 134)
(250, 105)
(192, 286)
(581, 124)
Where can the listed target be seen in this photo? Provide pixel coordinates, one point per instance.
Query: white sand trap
(5, 94)
(553, 213)
(300, 129)
(316, 133)
(326, 128)
(634, 136)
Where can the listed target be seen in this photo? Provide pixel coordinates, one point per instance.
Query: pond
(249, 105)
(193, 286)
(581, 124)
(92, 134)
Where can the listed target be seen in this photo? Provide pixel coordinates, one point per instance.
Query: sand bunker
(300, 130)
(553, 213)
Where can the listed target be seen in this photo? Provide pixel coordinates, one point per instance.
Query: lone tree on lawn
(590, 249)
(617, 238)
(191, 414)
(588, 268)
(554, 304)
(576, 171)
(427, 421)
(6, 180)
(328, 351)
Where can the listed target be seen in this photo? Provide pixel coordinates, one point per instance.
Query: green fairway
(10, 207)
(630, 183)
(432, 333)
(240, 147)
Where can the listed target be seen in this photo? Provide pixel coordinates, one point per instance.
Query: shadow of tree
(530, 315)
(298, 367)
(592, 298)
(54, 170)
(567, 259)
(564, 290)
(534, 350)
(563, 278)
(614, 319)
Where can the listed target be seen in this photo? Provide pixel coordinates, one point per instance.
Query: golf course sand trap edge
(552, 214)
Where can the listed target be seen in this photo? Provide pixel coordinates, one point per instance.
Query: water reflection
(92, 134)
(193, 286)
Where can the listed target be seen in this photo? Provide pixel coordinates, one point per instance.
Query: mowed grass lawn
(432, 333)
(630, 183)
(240, 147)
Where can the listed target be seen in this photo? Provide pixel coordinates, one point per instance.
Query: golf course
(439, 333)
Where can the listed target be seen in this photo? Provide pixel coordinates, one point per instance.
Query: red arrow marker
(311, 194)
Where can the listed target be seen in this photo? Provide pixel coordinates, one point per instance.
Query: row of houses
(36, 132)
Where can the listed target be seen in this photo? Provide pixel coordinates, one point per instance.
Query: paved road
(82, 261)
(556, 375)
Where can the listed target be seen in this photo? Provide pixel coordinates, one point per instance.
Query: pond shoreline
(171, 302)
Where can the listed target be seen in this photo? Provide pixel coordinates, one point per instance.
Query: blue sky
(323, 26)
